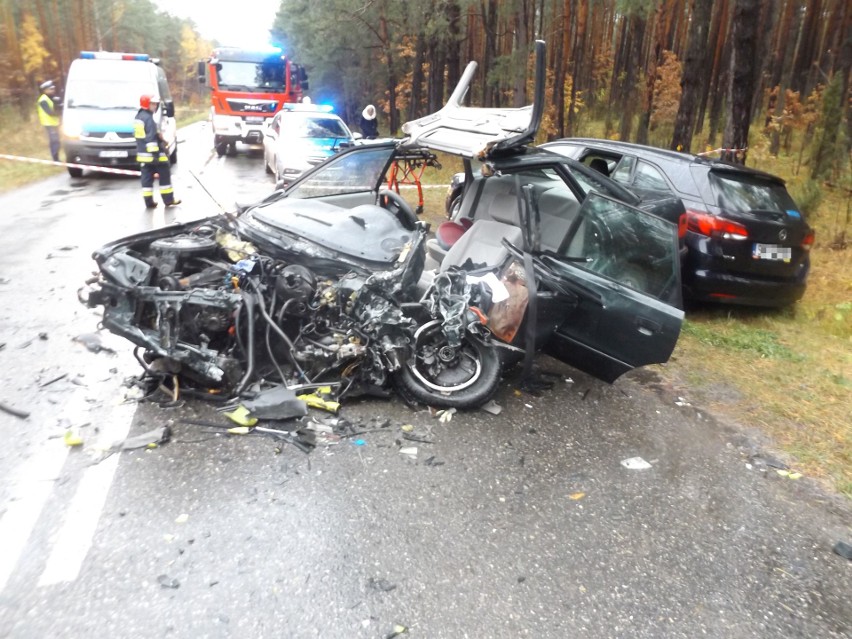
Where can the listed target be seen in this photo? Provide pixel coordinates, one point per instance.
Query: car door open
(622, 263)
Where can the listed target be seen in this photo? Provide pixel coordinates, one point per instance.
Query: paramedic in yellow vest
(48, 116)
(152, 154)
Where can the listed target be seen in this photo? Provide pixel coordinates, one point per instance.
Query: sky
(216, 19)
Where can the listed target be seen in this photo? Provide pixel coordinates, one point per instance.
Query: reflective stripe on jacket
(46, 111)
(147, 137)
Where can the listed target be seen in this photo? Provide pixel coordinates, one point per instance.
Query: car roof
(477, 132)
(649, 152)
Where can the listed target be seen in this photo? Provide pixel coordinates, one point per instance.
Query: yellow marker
(239, 430)
(317, 400)
(72, 438)
(241, 416)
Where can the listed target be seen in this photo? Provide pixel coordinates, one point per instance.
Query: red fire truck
(248, 87)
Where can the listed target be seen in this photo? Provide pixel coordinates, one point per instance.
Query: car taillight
(808, 241)
(713, 225)
(681, 226)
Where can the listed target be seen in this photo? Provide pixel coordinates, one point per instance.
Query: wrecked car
(335, 281)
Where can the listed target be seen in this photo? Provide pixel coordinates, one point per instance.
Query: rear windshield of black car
(740, 193)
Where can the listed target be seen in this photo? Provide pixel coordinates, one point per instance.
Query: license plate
(254, 119)
(112, 154)
(772, 252)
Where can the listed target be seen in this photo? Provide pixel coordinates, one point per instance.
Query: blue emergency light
(112, 55)
(314, 108)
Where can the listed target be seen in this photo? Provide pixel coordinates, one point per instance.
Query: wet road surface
(522, 524)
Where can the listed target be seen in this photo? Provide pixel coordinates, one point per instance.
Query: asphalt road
(525, 524)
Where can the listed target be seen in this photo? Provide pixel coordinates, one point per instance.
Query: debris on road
(53, 380)
(380, 584)
(492, 408)
(72, 438)
(445, 416)
(92, 342)
(843, 549)
(168, 582)
(182, 518)
(635, 463)
(14, 411)
(151, 439)
(278, 402)
(789, 474)
(398, 630)
(576, 496)
(409, 451)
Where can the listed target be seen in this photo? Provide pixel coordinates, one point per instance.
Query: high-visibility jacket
(47, 111)
(147, 137)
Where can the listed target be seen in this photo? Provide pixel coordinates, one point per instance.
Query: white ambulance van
(101, 100)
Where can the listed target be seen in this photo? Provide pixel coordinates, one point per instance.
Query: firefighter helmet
(146, 100)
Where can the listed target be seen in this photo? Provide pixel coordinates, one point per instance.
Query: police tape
(102, 169)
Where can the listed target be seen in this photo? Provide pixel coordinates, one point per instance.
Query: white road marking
(33, 488)
(77, 534)
(74, 539)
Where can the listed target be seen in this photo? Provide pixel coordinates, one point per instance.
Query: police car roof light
(315, 108)
(112, 55)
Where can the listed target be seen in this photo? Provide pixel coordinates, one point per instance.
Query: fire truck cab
(248, 87)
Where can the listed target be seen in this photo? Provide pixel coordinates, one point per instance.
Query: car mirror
(169, 109)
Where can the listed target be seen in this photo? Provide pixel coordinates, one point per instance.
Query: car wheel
(439, 375)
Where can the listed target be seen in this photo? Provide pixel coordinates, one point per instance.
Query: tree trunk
(806, 52)
(694, 74)
(453, 45)
(741, 81)
(519, 89)
(414, 104)
(579, 46)
(562, 43)
(637, 38)
(716, 42)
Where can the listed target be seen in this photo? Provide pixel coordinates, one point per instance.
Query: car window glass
(300, 127)
(354, 172)
(626, 245)
(745, 193)
(623, 170)
(647, 177)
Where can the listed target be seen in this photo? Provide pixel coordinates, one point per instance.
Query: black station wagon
(748, 242)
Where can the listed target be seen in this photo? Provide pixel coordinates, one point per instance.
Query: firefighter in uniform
(152, 154)
(48, 116)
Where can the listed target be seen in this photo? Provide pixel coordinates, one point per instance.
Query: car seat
(600, 165)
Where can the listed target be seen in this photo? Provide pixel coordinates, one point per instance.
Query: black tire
(474, 371)
(220, 145)
(75, 172)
